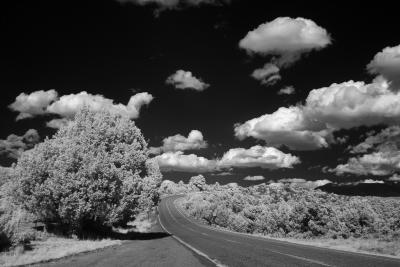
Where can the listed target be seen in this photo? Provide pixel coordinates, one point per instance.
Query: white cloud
(47, 102)
(382, 155)
(174, 4)
(352, 104)
(286, 126)
(300, 182)
(33, 104)
(394, 178)
(288, 90)
(286, 40)
(254, 178)
(387, 137)
(57, 123)
(178, 142)
(387, 64)
(68, 105)
(14, 145)
(257, 156)
(371, 181)
(177, 161)
(185, 80)
(338, 106)
(268, 74)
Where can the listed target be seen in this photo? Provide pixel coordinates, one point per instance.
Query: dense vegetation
(94, 171)
(287, 211)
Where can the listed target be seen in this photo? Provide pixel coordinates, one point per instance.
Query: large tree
(96, 169)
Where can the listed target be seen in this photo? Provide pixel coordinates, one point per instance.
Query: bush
(94, 170)
(295, 212)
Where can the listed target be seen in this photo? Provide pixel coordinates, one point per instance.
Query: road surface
(235, 249)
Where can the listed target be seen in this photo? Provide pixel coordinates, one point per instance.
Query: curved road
(234, 249)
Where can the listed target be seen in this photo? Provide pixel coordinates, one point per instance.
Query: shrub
(295, 212)
(94, 170)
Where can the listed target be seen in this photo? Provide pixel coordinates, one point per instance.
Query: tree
(198, 182)
(95, 170)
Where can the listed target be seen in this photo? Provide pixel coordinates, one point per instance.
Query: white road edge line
(218, 264)
(358, 253)
(248, 236)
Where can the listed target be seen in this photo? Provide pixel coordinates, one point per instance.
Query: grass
(52, 248)
(362, 245)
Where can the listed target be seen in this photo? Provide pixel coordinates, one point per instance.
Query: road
(235, 249)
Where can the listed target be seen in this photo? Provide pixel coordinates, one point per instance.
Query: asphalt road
(235, 249)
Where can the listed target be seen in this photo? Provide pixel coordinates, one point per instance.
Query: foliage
(197, 183)
(95, 169)
(286, 211)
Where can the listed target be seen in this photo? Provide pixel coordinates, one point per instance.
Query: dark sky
(109, 48)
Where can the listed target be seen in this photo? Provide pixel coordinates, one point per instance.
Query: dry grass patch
(363, 245)
(52, 248)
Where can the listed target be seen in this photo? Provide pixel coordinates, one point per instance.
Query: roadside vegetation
(296, 214)
(92, 176)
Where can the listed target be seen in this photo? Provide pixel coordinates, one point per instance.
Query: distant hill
(363, 189)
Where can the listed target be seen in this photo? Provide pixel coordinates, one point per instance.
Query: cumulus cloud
(14, 145)
(33, 104)
(66, 106)
(387, 64)
(178, 142)
(300, 182)
(286, 126)
(338, 106)
(257, 156)
(254, 178)
(69, 105)
(285, 40)
(382, 155)
(177, 161)
(185, 80)
(394, 178)
(288, 90)
(267, 75)
(174, 4)
(57, 123)
(388, 137)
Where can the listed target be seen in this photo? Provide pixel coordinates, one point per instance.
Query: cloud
(288, 90)
(285, 40)
(174, 4)
(387, 137)
(14, 145)
(382, 155)
(257, 156)
(394, 178)
(286, 126)
(268, 75)
(338, 106)
(66, 106)
(387, 64)
(194, 141)
(254, 178)
(177, 161)
(300, 182)
(33, 104)
(185, 80)
(57, 123)
(352, 104)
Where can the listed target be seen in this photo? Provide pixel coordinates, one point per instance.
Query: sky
(238, 91)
